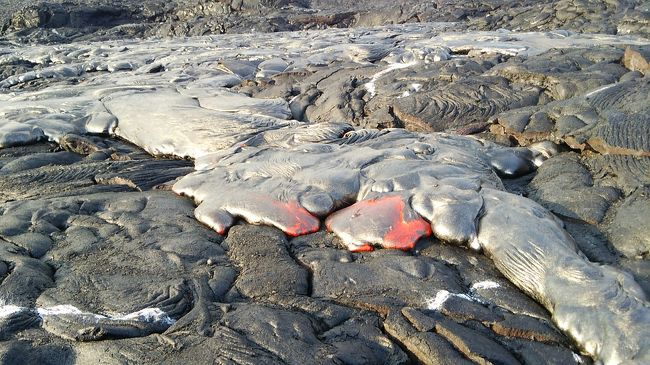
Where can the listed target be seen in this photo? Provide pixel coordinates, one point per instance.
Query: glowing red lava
(387, 221)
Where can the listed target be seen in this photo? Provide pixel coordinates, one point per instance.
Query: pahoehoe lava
(270, 146)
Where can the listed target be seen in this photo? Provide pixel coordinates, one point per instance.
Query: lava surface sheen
(387, 221)
(305, 223)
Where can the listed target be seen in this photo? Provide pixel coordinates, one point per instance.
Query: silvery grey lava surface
(273, 125)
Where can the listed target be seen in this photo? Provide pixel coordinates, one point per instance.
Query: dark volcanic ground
(65, 20)
(95, 229)
(91, 222)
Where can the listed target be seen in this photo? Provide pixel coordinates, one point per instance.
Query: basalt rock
(470, 102)
(131, 267)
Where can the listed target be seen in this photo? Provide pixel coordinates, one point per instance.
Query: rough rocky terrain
(102, 260)
(65, 20)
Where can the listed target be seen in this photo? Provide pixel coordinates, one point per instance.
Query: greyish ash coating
(167, 97)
